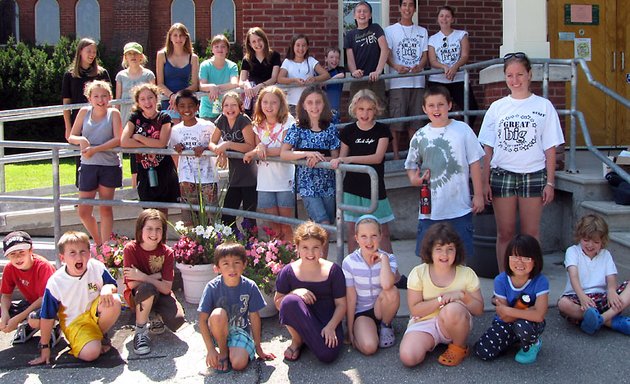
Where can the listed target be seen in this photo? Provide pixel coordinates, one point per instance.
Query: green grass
(38, 174)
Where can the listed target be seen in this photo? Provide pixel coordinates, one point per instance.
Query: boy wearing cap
(29, 273)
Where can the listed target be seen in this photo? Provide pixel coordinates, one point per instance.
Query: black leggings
(500, 336)
(233, 199)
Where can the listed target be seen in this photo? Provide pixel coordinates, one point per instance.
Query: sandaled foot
(292, 353)
(453, 355)
(223, 365)
(592, 321)
(386, 337)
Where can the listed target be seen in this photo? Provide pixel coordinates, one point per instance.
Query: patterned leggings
(500, 336)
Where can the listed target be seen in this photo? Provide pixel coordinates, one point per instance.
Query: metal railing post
(339, 214)
(545, 85)
(573, 130)
(3, 187)
(56, 203)
(467, 91)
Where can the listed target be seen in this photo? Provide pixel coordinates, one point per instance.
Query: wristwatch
(41, 346)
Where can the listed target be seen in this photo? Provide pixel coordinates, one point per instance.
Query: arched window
(9, 20)
(47, 30)
(88, 19)
(183, 11)
(223, 18)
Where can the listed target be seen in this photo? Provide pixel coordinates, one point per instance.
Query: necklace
(408, 36)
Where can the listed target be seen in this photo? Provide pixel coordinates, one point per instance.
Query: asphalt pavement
(567, 355)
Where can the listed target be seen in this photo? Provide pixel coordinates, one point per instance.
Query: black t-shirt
(364, 45)
(363, 143)
(261, 71)
(72, 87)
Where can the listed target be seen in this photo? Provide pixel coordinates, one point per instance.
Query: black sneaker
(56, 336)
(141, 343)
(23, 333)
(402, 282)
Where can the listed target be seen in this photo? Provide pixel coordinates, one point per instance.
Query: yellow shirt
(420, 280)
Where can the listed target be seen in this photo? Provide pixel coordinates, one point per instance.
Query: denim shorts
(507, 184)
(321, 208)
(91, 176)
(282, 199)
(462, 225)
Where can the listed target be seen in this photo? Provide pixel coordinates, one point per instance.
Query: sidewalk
(568, 355)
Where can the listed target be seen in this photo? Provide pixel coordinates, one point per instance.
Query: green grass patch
(38, 174)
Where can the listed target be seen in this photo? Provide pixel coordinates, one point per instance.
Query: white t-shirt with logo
(407, 43)
(519, 131)
(448, 52)
(274, 176)
(192, 169)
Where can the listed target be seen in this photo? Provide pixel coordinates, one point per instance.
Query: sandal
(293, 353)
(386, 337)
(224, 365)
(453, 355)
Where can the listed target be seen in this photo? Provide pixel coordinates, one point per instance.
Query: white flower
(224, 229)
(199, 230)
(179, 226)
(208, 232)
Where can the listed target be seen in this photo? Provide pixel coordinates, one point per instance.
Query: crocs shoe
(529, 356)
(592, 321)
(23, 333)
(620, 324)
(386, 337)
(453, 355)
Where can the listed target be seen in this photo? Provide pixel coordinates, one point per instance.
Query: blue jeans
(462, 225)
(321, 208)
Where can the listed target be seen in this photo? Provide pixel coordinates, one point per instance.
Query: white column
(525, 28)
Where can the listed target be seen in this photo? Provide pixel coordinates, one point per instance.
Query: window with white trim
(183, 11)
(88, 19)
(224, 19)
(47, 25)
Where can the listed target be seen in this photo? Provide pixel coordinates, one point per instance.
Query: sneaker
(529, 356)
(386, 337)
(23, 333)
(156, 326)
(141, 343)
(55, 336)
(592, 321)
(620, 324)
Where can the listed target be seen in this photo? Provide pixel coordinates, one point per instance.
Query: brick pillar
(130, 22)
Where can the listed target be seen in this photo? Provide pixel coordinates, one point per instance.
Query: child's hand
(3, 324)
(402, 69)
(106, 298)
(502, 312)
(417, 68)
(213, 92)
(357, 74)
(212, 358)
(179, 147)
(586, 303)
(450, 73)
(88, 152)
(199, 150)
(307, 296)
(614, 300)
(248, 157)
(478, 204)
(374, 76)
(487, 192)
(261, 149)
(11, 325)
(377, 257)
(312, 158)
(44, 357)
(453, 296)
(334, 163)
(309, 80)
(222, 148)
(222, 161)
(330, 337)
(132, 273)
(264, 356)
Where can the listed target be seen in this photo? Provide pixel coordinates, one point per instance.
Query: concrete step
(619, 247)
(617, 216)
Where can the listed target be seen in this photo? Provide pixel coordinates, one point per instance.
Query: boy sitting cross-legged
(83, 295)
(28, 273)
(229, 307)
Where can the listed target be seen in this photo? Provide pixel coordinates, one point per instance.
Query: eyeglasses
(444, 43)
(517, 55)
(521, 258)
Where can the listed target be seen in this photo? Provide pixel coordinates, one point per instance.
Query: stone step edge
(608, 208)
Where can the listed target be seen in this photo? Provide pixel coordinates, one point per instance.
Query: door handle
(614, 63)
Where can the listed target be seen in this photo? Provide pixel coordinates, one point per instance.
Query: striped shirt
(365, 279)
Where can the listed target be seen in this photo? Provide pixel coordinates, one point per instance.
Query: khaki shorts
(404, 102)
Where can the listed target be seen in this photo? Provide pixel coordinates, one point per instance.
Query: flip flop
(224, 363)
(294, 353)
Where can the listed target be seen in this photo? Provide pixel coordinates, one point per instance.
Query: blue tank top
(175, 78)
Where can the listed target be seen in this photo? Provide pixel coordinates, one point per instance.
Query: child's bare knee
(239, 362)
(218, 317)
(91, 351)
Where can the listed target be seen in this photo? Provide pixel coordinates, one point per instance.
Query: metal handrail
(57, 200)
